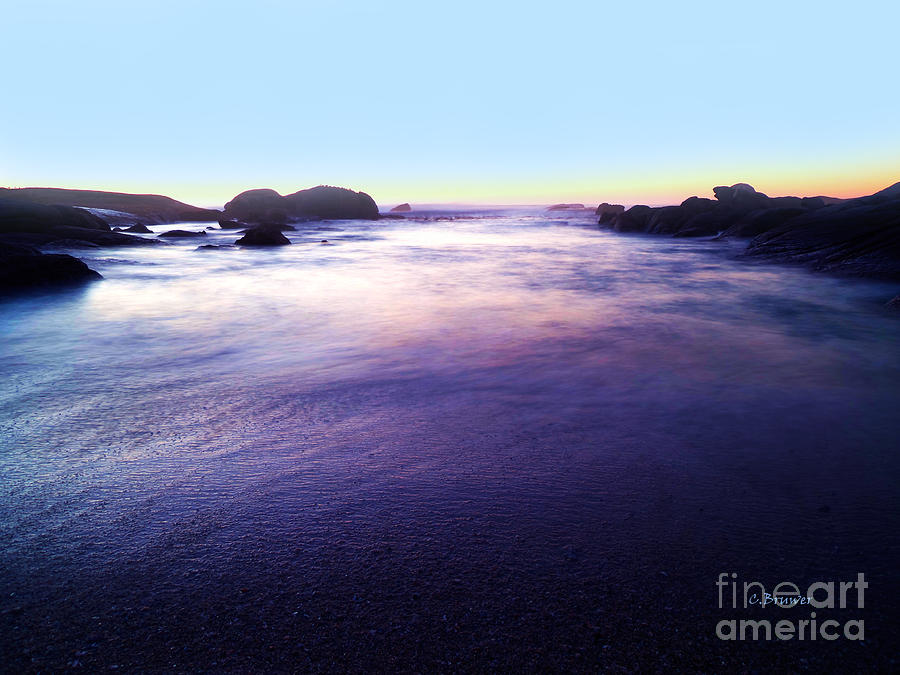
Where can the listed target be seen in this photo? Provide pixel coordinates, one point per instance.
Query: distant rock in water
(182, 233)
(894, 304)
(401, 208)
(153, 208)
(267, 206)
(263, 235)
(566, 207)
(23, 267)
(232, 225)
(608, 211)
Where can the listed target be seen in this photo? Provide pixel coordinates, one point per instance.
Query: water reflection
(486, 351)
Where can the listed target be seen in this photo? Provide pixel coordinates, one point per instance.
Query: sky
(467, 102)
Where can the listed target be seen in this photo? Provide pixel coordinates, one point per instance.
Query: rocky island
(323, 201)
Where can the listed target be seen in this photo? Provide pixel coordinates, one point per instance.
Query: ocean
(473, 438)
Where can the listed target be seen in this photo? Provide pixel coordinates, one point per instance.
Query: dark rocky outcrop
(79, 234)
(634, 219)
(151, 208)
(69, 243)
(263, 235)
(232, 225)
(252, 205)
(174, 234)
(267, 206)
(30, 224)
(23, 267)
(849, 236)
(737, 211)
(401, 208)
(673, 219)
(859, 237)
(138, 228)
(608, 211)
(740, 196)
(763, 220)
(21, 216)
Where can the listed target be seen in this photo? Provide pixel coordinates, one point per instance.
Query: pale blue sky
(462, 101)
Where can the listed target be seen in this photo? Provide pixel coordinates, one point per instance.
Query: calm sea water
(474, 438)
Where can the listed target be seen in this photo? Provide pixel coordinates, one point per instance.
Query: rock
(634, 219)
(17, 215)
(23, 267)
(859, 237)
(231, 225)
(707, 224)
(762, 220)
(182, 233)
(566, 207)
(849, 236)
(672, 219)
(666, 220)
(263, 235)
(97, 237)
(36, 224)
(784, 203)
(812, 203)
(894, 304)
(69, 243)
(152, 208)
(138, 228)
(266, 206)
(740, 196)
(889, 194)
(203, 247)
(252, 205)
(401, 208)
(608, 211)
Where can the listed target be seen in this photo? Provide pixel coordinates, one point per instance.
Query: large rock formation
(23, 267)
(267, 206)
(36, 224)
(148, 208)
(851, 236)
(401, 208)
(859, 237)
(21, 216)
(738, 210)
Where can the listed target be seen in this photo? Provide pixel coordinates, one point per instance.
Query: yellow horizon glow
(662, 187)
